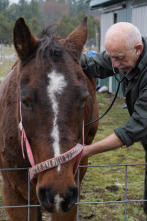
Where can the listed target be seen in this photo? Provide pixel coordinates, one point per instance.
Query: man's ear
(139, 48)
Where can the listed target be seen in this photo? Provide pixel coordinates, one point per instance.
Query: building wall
(121, 15)
(108, 19)
(137, 15)
(139, 18)
(105, 22)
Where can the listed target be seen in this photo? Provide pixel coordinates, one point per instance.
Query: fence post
(28, 195)
(78, 199)
(126, 176)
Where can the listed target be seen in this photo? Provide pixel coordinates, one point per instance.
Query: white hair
(130, 31)
(134, 36)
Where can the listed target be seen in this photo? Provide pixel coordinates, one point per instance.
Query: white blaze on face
(56, 86)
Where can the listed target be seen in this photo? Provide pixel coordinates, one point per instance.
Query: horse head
(53, 99)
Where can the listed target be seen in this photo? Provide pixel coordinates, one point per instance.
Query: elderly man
(125, 55)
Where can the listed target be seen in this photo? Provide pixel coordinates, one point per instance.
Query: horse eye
(26, 102)
(83, 100)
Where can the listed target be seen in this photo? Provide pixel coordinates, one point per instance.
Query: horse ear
(76, 40)
(24, 42)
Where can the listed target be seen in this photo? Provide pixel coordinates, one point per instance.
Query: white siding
(106, 22)
(139, 18)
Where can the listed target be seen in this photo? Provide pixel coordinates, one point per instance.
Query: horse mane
(50, 47)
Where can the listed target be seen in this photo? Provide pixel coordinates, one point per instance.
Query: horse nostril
(52, 201)
(70, 198)
(46, 198)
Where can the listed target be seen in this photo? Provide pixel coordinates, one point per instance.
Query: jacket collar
(139, 65)
(143, 61)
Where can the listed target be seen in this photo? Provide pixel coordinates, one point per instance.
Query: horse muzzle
(54, 202)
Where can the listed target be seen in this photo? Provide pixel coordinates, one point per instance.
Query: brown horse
(50, 95)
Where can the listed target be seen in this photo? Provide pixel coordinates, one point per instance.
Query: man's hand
(86, 151)
(109, 143)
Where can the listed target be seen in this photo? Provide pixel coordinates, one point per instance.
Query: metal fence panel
(125, 201)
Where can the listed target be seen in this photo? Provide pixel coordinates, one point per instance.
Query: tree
(3, 5)
(34, 26)
(93, 27)
(65, 14)
(31, 11)
(64, 26)
(36, 11)
(67, 24)
(5, 30)
(13, 13)
(77, 6)
(53, 10)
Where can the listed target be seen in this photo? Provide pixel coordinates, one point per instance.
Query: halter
(50, 163)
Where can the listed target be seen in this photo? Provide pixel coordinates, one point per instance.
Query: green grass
(7, 61)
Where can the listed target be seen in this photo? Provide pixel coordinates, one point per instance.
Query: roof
(102, 3)
(139, 3)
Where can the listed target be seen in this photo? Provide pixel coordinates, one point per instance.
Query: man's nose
(116, 63)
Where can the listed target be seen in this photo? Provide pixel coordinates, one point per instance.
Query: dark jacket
(134, 89)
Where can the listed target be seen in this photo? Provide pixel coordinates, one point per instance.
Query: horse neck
(10, 112)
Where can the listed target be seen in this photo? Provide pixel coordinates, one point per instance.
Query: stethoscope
(119, 82)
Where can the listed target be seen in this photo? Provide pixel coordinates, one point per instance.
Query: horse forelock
(50, 48)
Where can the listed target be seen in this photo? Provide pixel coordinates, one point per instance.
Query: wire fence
(2, 52)
(6, 52)
(125, 201)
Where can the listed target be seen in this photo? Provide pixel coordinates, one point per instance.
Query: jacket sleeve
(98, 66)
(136, 127)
